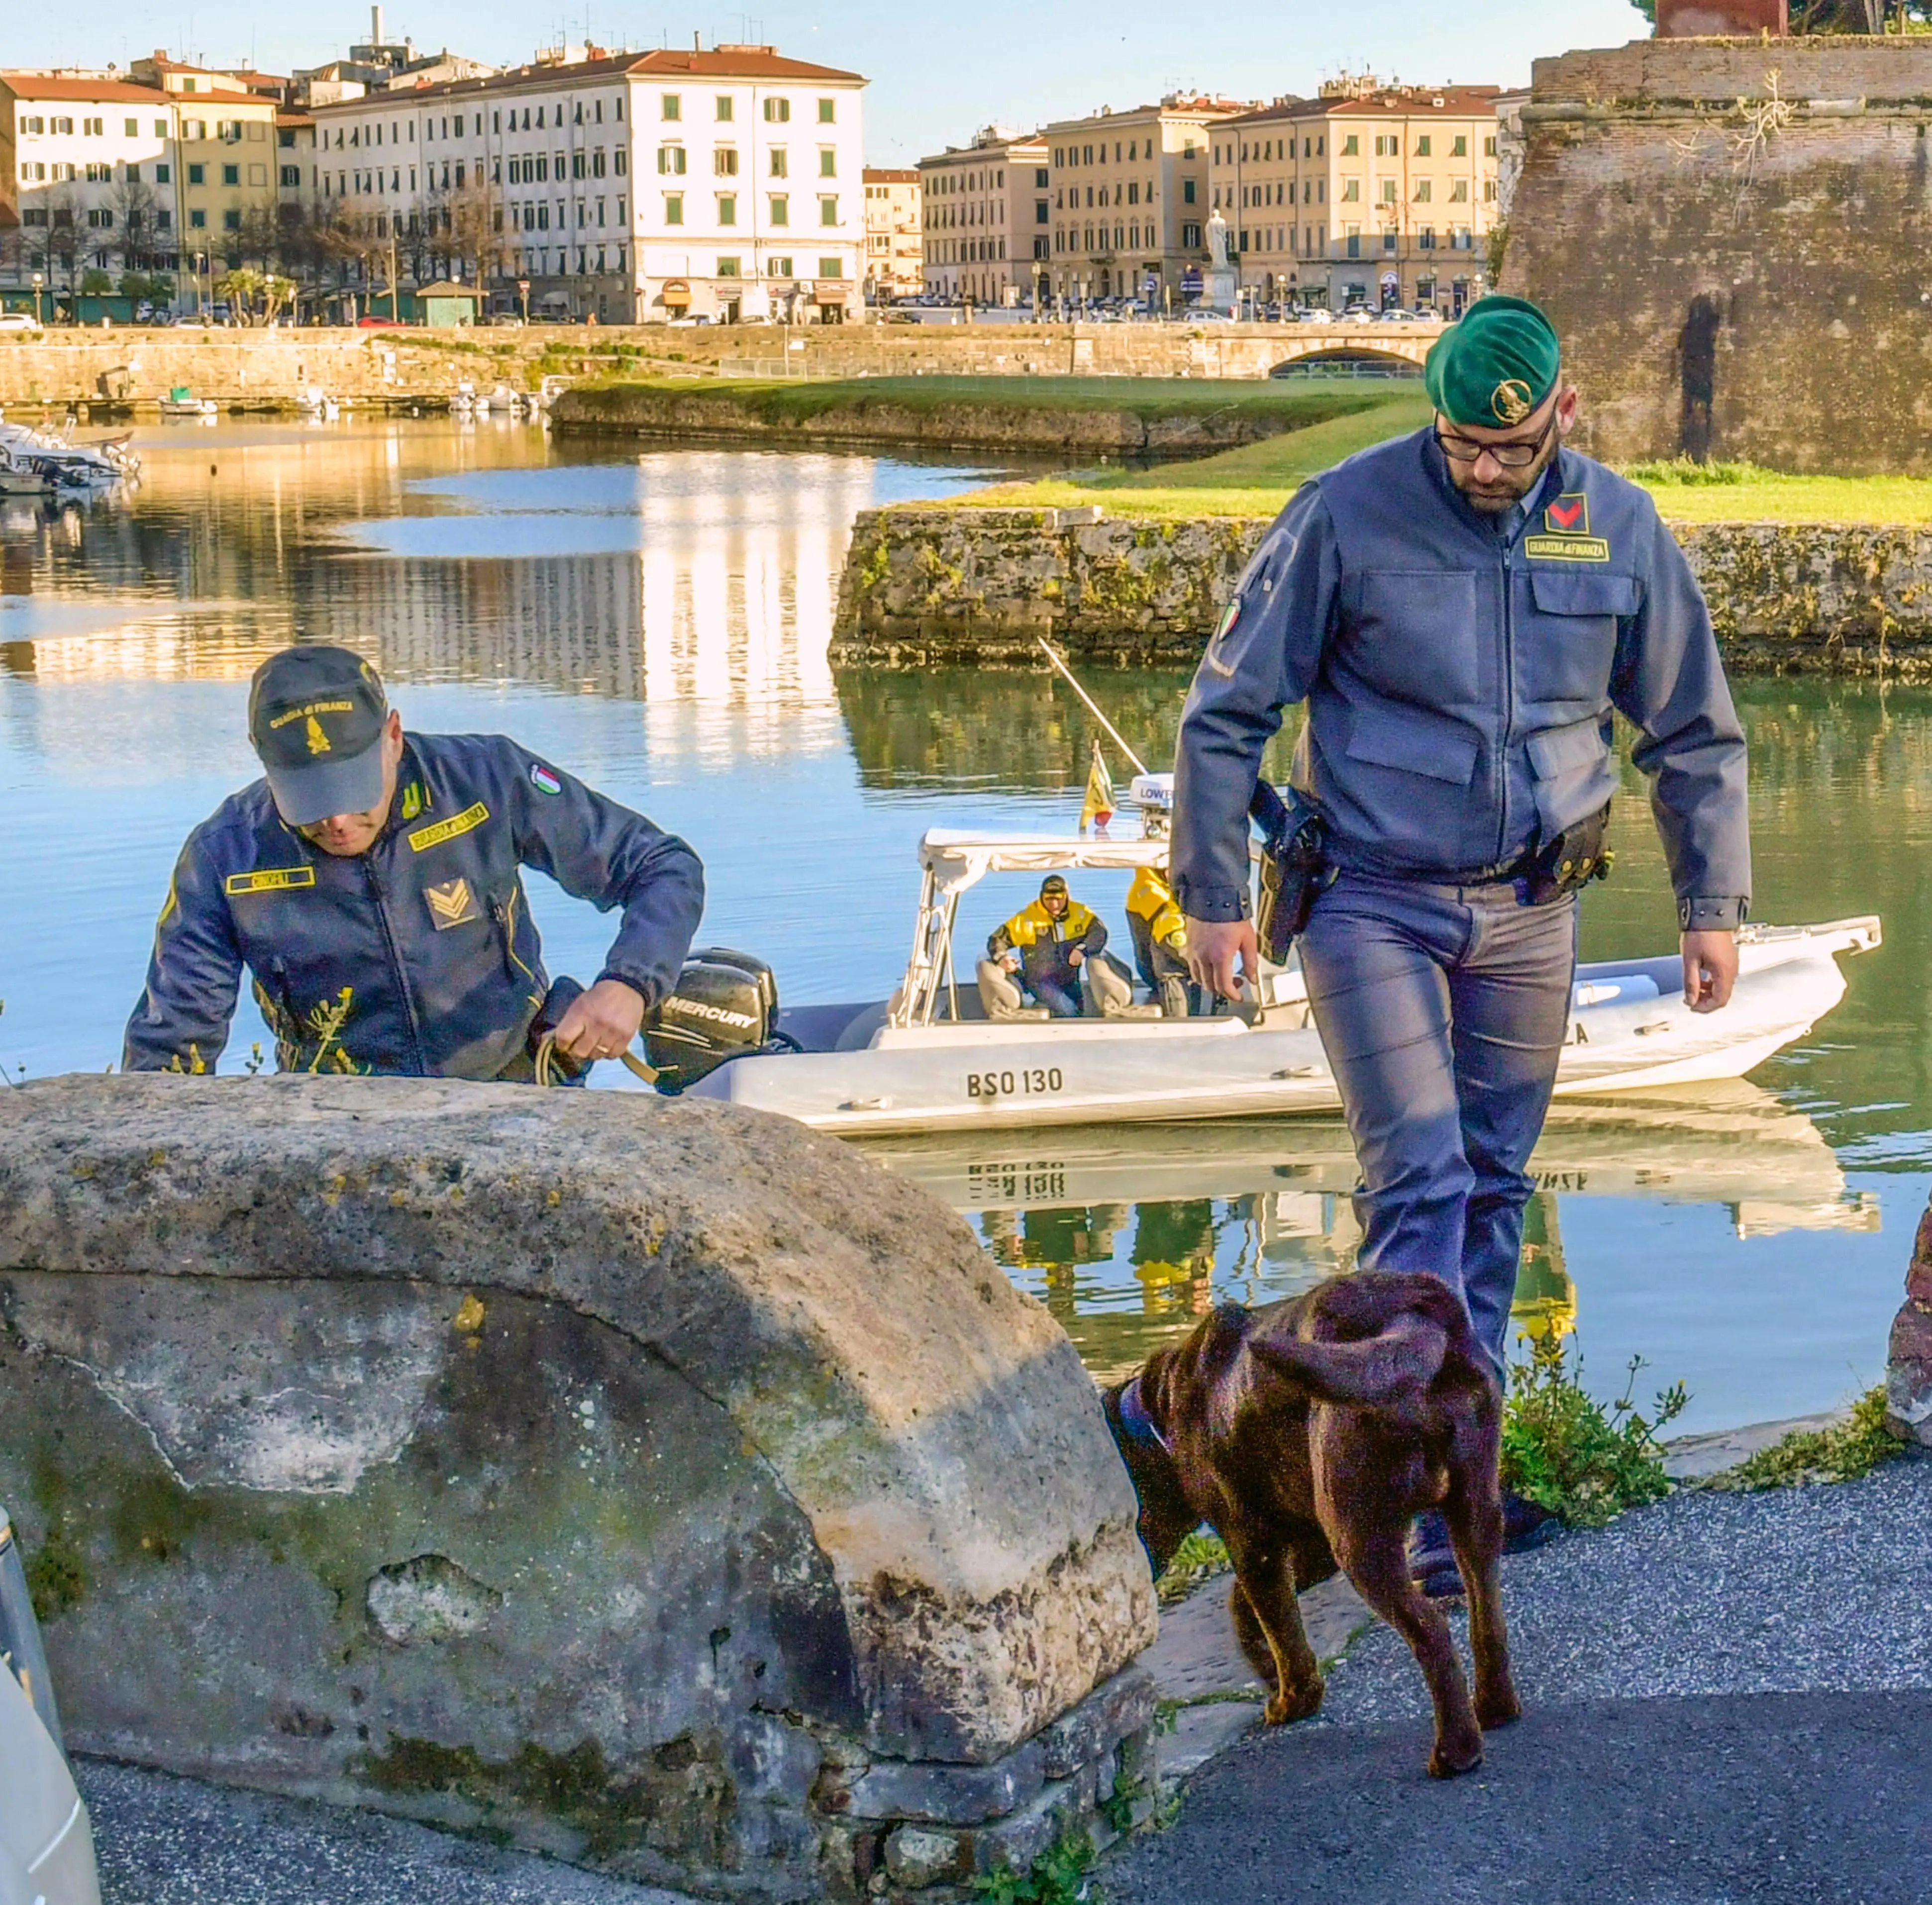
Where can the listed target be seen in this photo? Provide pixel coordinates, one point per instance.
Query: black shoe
(1432, 1560)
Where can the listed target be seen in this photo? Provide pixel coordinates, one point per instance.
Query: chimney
(375, 26)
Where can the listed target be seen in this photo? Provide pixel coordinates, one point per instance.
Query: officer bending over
(1160, 940)
(370, 884)
(1461, 609)
(1047, 943)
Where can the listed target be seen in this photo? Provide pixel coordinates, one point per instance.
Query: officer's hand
(1710, 970)
(1074, 957)
(1216, 948)
(1011, 962)
(602, 1022)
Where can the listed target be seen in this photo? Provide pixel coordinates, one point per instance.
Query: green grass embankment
(1257, 479)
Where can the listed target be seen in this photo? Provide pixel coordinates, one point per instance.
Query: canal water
(658, 622)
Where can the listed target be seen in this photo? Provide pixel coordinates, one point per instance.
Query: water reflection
(659, 620)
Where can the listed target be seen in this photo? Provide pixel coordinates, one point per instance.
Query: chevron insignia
(451, 905)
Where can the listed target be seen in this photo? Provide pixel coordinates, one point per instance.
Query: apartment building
(227, 200)
(1366, 195)
(988, 227)
(626, 187)
(1130, 199)
(895, 251)
(88, 165)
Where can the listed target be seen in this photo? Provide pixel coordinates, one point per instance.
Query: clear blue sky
(939, 68)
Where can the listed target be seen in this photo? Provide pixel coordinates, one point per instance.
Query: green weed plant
(1563, 1451)
(1843, 1452)
(1199, 1558)
(1058, 1877)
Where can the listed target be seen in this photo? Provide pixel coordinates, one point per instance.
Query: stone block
(1017, 1840)
(943, 1795)
(609, 1474)
(918, 1856)
(1123, 1705)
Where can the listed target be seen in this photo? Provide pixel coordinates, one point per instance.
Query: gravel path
(164, 1841)
(1727, 1698)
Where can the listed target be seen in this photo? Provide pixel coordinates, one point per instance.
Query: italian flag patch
(544, 780)
(1229, 617)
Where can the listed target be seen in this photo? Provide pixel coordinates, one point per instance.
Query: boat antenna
(1140, 765)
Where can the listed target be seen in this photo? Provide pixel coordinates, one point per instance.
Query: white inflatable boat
(930, 1059)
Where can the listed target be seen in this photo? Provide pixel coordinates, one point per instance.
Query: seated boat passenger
(1056, 950)
(1160, 943)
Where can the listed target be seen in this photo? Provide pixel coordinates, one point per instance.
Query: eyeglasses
(1510, 456)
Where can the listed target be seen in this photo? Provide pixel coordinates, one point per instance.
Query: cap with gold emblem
(1492, 369)
(315, 715)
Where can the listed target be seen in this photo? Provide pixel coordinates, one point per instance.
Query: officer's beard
(1499, 498)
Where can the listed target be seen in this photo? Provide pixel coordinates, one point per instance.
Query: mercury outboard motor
(726, 1006)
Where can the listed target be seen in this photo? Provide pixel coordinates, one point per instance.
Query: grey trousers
(1442, 1010)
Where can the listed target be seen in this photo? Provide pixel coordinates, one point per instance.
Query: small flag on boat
(1097, 809)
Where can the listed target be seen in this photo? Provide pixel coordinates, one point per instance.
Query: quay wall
(657, 1485)
(928, 585)
(1731, 236)
(272, 366)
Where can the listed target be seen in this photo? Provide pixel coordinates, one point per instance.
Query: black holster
(1295, 868)
(1568, 864)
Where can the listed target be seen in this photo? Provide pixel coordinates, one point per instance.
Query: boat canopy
(956, 860)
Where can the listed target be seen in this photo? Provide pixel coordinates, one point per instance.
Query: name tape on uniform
(268, 880)
(462, 822)
(1568, 548)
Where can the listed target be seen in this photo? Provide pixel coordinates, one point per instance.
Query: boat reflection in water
(1130, 1233)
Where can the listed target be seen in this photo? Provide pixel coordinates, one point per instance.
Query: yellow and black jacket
(1155, 920)
(1043, 942)
(420, 956)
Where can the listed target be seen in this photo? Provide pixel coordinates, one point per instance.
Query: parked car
(18, 321)
(46, 1843)
(380, 324)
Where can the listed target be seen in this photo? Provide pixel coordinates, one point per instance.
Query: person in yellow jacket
(1046, 944)
(1160, 940)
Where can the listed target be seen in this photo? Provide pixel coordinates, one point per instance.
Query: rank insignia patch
(1568, 515)
(451, 905)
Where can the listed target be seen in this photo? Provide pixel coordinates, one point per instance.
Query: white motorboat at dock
(931, 1058)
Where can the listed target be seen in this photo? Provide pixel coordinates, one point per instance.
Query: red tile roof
(40, 85)
(721, 63)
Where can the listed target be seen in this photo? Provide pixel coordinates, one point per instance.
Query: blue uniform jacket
(1460, 673)
(419, 957)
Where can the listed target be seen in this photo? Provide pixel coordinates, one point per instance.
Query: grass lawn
(1298, 402)
(1257, 478)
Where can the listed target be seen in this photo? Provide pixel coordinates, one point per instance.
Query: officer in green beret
(1463, 611)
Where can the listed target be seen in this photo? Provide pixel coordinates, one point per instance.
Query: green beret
(1495, 366)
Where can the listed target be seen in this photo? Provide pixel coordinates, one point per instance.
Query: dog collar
(1139, 1424)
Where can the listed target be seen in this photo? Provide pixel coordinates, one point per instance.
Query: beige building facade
(1131, 200)
(630, 187)
(987, 228)
(1367, 195)
(895, 241)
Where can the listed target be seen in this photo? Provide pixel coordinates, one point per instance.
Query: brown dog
(1311, 1433)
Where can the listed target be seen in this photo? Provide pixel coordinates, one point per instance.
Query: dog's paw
(1297, 1703)
(1450, 1760)
(1497, 1709)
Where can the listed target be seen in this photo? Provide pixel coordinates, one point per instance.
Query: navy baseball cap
(315, 715)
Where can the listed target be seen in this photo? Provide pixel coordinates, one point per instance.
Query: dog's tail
(1400, 1362)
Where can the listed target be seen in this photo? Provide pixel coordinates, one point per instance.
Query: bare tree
(132, 203)
(63, 243)
(474, 222)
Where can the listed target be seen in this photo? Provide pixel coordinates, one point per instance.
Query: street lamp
(38, 281)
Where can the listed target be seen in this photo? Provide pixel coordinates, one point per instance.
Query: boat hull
(981, 1075)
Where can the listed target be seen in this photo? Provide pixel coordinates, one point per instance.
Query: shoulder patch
(264, 879)
(471, 818)
(543, 780)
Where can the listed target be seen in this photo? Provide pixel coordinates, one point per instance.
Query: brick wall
(1743, 281)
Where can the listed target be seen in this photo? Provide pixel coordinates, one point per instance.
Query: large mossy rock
(640, 1479)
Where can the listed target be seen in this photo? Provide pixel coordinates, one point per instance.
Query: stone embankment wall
(926, 585)
(274, 366)
(659, 1486)
(646, 410)
(1732, 236)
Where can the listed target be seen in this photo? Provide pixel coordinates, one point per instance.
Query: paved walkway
(1727, 1698)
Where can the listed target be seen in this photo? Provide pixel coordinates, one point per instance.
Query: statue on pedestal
(1219, 292)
